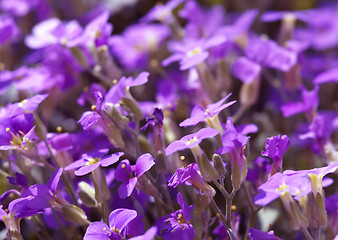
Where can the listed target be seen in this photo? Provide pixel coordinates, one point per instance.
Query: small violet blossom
(129, 175)
(309, 104)
(191, 52)
(191, 140)
(122, 223)
(176, 225)
(89, 162)
(190, 175)
(275, 147)
(255, 234)
(200, 114)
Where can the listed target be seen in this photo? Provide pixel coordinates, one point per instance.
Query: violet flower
(255, 234)
(309, 104)
(134, 46)
(8, 30)
(191, 52)
(89, 162)
(275, 149)
(191, 140)
(16, 131)
(265, 53)
(51, 32)
(176, 225)
(162, 12)
(121, 225)
(327, 76)
(129, 175)
(233, 143)
(190, 175)
(200, 114)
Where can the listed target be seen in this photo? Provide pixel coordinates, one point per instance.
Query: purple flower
(200, 114)
(255, 234)
(134, 46)
(8, 29)
(51, 32)
(233, 143)
(118, 91)
(327, 76)
(176, 225)
(16, 128)
(275, 148)
(191, 140)
(89, 162)
(129, 175)
(190, 175)
(262, 52)
(191, 52)
(245, 69)
(321, 31)
(162, 12)
(309, 104)
(96, 33)
(119, 221)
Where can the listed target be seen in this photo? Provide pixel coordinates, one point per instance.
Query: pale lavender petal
(148, 235)
(175, 146)
(109, 160)
(245, 69)
(143, 164)
(328, 76)
(173, 58)
(86, 169)
(79, 163)
(119, 218)
(292, 108)
(189, 62)
(96, 231)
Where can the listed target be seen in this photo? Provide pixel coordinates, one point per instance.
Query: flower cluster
(176, 120)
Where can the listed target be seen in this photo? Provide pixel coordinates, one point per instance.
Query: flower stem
(63, 177)
(306, 233)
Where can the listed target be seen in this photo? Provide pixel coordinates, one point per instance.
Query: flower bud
(298, 220)
(160, 163)
(115, 116)
(208, 172)
(74, 214)
(145, 185)
(87, 194)
(219, 164)
(132, 105)
(317, 201)
(249, 93)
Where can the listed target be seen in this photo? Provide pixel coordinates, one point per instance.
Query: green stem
(318, 233)
(306, 233)
(63, 177)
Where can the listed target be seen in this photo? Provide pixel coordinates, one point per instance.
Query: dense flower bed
(192, 122)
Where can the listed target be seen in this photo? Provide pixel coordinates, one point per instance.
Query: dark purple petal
(89, 119)
(127, 187)
(184, 206)
(54, 180)
(258, 235)
(122, 174)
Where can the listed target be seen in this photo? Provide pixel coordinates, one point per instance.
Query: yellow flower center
(195, 139)
(194, 52)
(282, 187)
(92, 161)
